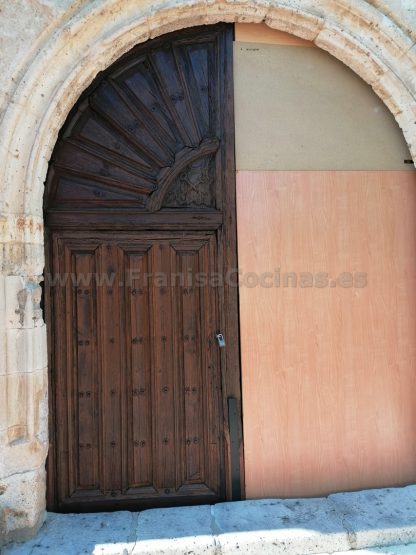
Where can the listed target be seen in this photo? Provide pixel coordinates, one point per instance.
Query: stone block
(2, 300)
(22, 504)
(40, 349)
(390, 550)
(22, 300)
(18, 390)
(18, 350)
(25, 441)
(26, 349)
(15, 304)
(378, 517)
(306, 26)
(3, 359)
(22, 457)
(279, 526)
(352, 52)
(25, 228)
(3, 405)
(175, 531)
(38, 405)
(20, 258)
(86, 534)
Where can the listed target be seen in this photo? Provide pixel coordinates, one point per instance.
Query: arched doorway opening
(58, 66)
(141, 235)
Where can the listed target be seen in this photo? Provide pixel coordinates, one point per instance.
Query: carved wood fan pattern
(147, 134)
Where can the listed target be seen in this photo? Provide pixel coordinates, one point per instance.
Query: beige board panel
(260, 32)
(298, 108)
(328, 373)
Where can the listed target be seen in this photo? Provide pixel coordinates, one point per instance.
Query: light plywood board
(328, 373)
(298, 108)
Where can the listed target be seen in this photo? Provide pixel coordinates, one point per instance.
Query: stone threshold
(363, 522)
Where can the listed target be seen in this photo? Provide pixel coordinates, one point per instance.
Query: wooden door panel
(76, 351)
(195, 336)
(140, 392)
(146, 122)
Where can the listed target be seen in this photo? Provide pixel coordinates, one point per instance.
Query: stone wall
(51, 50)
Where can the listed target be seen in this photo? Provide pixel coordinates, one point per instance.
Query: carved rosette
(194, 186)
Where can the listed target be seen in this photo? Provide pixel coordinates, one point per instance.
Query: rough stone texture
(293, 527)
(391, 550)
(175, 531)
(279, 526)
(51, 50)
(378, 517)
(409, 549)
(23, 407)
(98, 534)
(23, 507)
(402, 12)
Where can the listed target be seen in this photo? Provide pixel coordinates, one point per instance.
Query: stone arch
(86, 40)
(91, 39)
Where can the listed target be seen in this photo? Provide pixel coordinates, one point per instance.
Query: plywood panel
(260, 32)
(298, 108)
(329, 371)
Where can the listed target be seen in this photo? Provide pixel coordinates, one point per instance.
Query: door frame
(227, 237)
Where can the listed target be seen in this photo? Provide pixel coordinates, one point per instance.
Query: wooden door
(141, 234)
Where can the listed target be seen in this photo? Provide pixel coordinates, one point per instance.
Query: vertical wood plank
(212, 369)
(139, 387)
(163, 369)
(191, 347)
(85, 380)
(111, 384)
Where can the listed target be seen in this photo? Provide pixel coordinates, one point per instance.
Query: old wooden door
(141, 236)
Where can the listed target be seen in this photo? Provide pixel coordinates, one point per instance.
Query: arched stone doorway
(60, 64)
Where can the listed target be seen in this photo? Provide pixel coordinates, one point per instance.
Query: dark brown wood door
(140, 212)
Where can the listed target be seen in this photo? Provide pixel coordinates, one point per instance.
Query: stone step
(338, 524)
